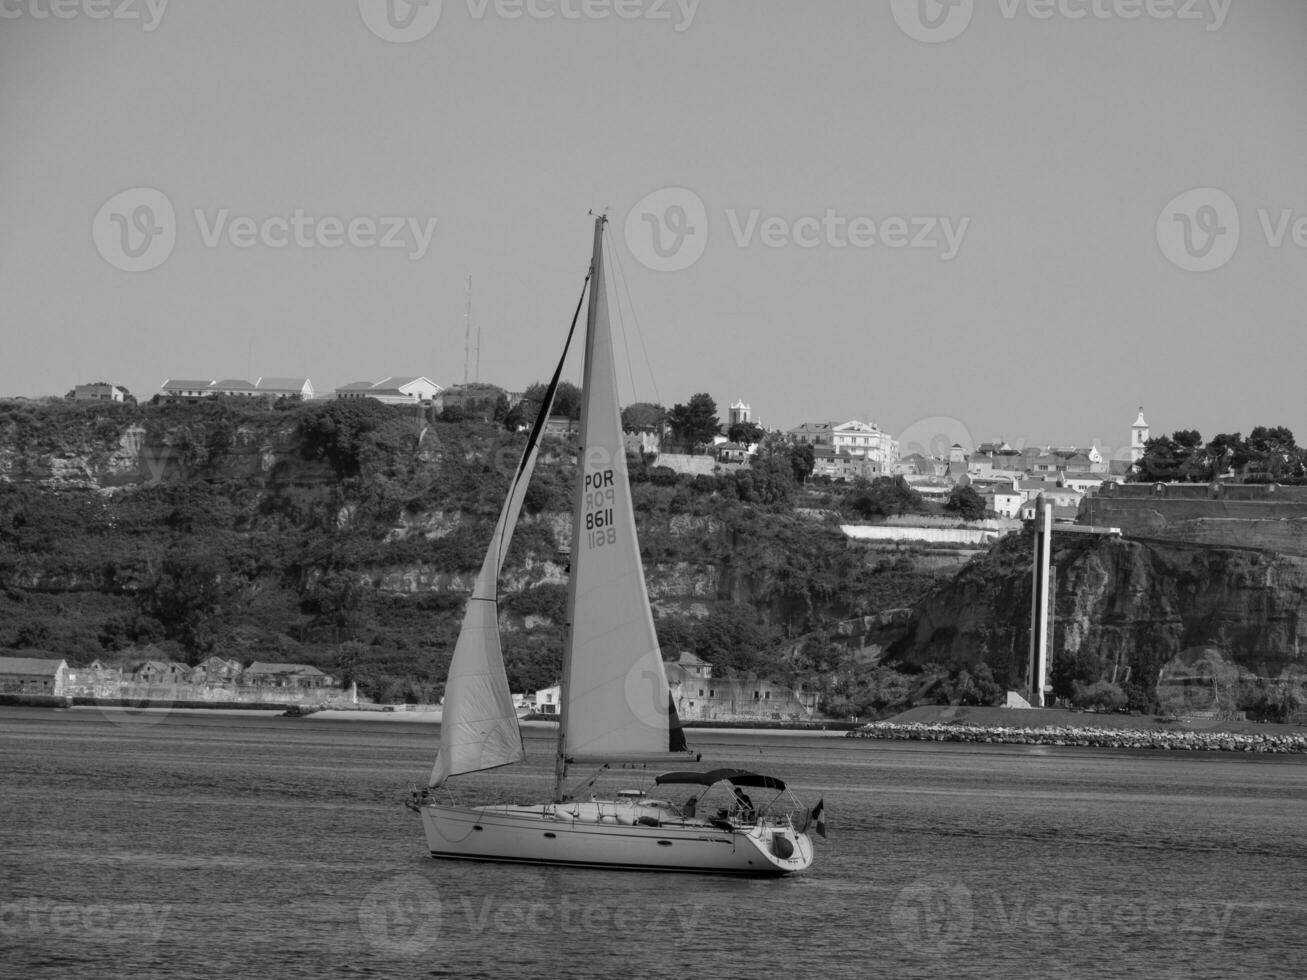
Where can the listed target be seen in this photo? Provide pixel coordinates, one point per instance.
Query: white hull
(605, 835)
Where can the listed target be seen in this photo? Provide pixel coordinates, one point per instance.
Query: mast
(467, 328)
(596, 286)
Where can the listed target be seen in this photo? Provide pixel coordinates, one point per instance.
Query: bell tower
(1138, 437)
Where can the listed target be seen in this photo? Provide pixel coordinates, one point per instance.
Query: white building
(100, 391)
(285, 387)
(393, 391)
(1138, 437)
(547, 700)
(186, 389)
(864, 441)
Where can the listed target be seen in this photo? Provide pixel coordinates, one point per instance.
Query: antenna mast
(467, 327)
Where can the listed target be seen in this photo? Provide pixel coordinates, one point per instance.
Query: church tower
(740, 413)
(1138, 437)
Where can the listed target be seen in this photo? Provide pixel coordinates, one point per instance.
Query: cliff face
(348, 535)
(134, 454)
(1124, 610)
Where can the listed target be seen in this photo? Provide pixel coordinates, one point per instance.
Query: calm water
(178, 846)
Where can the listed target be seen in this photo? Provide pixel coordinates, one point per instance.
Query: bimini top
(736, 777)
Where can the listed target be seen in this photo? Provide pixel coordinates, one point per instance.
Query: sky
(963, 221)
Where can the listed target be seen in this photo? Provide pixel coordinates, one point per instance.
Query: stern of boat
(785, 848)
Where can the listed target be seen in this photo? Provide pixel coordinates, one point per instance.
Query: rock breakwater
(1110, 738)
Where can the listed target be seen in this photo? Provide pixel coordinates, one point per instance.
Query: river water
(180, 845)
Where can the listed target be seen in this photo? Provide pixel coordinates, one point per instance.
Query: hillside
(346, 535)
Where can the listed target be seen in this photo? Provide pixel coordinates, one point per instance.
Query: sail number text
(599, 500)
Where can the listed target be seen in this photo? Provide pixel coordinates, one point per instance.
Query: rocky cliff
(347, 535)
(1131, 612)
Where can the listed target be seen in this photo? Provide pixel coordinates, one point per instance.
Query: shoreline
(1090, 736)
(1001, 726)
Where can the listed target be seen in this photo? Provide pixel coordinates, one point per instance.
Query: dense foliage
(345, 534)
(1268, 455)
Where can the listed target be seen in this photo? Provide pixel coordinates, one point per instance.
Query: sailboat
(615, 702)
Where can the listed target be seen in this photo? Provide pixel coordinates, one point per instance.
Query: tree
(1100, 695)
(1169, 457)
(695, 423)
(1273, 451)
(768, 481)
(1227, 451)
(966, 504)
(567, 401)
(643, 415)
(732, 638)
(802, 460)
(747, 433)
(884, 496)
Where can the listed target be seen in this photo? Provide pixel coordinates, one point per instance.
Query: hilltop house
(192, 390)
(186, 390)
(301, 388)
(731, 452)
(1065, 501)
(862, 440)
(1005, 500)
(235, 388)
(99, 391)
(393, 391)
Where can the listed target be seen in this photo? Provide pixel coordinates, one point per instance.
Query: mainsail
(478, 727)
(615, 696)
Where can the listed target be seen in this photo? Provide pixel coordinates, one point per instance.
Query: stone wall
(216, 693)
(684, 463)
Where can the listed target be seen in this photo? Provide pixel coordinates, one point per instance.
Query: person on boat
(687, 811)
(746, 804)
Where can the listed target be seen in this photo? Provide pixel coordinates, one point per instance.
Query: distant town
(1011, 481)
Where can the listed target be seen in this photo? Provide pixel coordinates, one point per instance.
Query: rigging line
(639, 331)
(537, 428)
